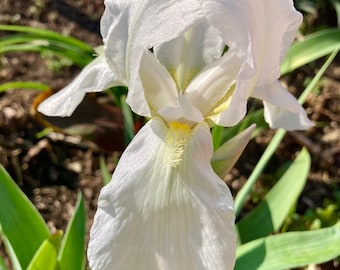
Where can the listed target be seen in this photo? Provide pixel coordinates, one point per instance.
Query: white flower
(165, 207)
(257, 32)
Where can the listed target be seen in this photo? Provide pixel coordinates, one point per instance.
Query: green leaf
(225, 156)
(14, 260)
(23, 84)
(71, 255)
(128, 121)
(61, 50)
(270, 214)
(40, 40)
(216, 134)
(314, 46)
(21, 224)
(46, 256)
(253, 117)
(105, 172)
(46, 34)
(289, 250)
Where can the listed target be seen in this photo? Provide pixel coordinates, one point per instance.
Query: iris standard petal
(164, 208)
(159, 88)
(114, 27)
(213, 85)
(189, 53)
(275, 26)
(139, 25)
(262, 30)
(95, 77)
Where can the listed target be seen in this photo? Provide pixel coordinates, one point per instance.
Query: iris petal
(114, 29)
(279, 117)
(139, 25)
(262, 31)
(185, 112)
(159, 88)
(95, 77)
(214, 82)
(160, 214)
(187, 54)
(281, 109)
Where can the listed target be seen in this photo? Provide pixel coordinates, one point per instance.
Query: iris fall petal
(95, 77)
(281, 109)
(164, 208)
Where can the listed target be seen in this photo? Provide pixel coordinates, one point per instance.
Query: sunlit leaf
(225, 156)
(23, 85)
(312, 47)
(21, 224)
(43, 33)
(46, 256)
(71, 255)
(40, 40)
(270, 214)
(289, 250)
(10, 252)
(105, 172)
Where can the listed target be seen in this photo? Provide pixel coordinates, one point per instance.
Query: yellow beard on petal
(176, 140)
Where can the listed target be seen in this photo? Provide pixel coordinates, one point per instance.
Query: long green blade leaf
(78, 59)
(13, 257)
(269, 215)
(39, 40)
(71, 255)
(311, 48)
(289, 250)
(225, 157)
(46, 256)
(46, 34)
(23, 84)
(105, 172)
(21, 223)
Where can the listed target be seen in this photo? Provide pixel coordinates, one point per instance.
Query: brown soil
(52, 169)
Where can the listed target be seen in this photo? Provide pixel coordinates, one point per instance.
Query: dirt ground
(50, 170)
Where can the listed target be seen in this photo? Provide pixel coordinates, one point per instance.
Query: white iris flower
(165, 207)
